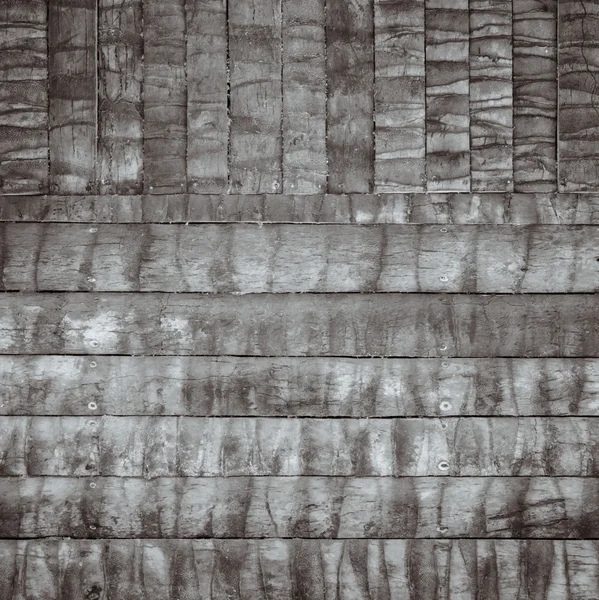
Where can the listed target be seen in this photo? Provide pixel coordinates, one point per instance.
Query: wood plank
(300, 569)
(491, 100)
(23, 97)
(399, 96)
(120, 74)
(246, 258)
(165, 97)
(350, 75)
(256, 147)
(535, 95)
(304, 97)
(73, 102)
(394, 325)
(578, 96)
(207, 119)
(300, 507)
(447, 95)
(299, 387)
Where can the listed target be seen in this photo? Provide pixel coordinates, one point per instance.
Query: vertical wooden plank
(399, 96)
(23, 97)
(304, 97)
(207, 82)
(350, 74)
(491, 95)
(72, 66)
(578, 162)
(256, 98)
(120, 120)
(535, 95)
(447, 96)
(165, 97)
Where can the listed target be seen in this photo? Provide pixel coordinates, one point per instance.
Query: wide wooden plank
(256, 147)
(578, 96)
(23, 97)
(300, 569)
(535, 95)
(207, 119)
(120, 74)
(399, 96)
(73, 101)
(491, 95)
(350, 75)
(165, 97)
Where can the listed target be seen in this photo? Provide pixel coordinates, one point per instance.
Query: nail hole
(93, 229)
(92, 485)
(443, 425)
(92, 406)
(445, 405)
(443, 466)
(442, 529)
(444, 278)
(443, 229)
(443, 347)
(94, 343)
(444, 364)
(91, 279)
(93, 364)
(91, 423)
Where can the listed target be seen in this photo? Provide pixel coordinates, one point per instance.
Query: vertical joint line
(95, 185)
(470, 178)
(326, 97)
(228, 34)
(142, 173)
(372, 183)
(281, 131)
(48, 165)
(425, 182)
(186, 47)
(558, 183)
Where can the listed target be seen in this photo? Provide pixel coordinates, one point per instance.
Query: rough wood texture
(165, 96)
(120, 73)
(255, 156)
(491, 95)
(350, 74)
(23, 97)
(578, 96)
(299, 258)
(207, 119)
(535, 95)
(410, 325)
(72, 67)
(447, 93)
(399, 96)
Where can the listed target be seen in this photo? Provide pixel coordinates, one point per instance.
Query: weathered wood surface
(299, 569)
(399, 96)
(400, 325)
(320, 387)
(578, 96)
(299, 258)
(73, 101)
(23, 97)
(350, 75)
(535, 95)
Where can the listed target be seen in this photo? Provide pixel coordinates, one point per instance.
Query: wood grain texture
(410, 325)
(491, 100)
(399, 96)
(165, 97)
(535, 95)
(578, 96)
(297, 387)
(255, 154)
(120, 74)
(447, 95)
(23, 97)
(73, 102)
(207, 81)
(245, 258)
(350, 74)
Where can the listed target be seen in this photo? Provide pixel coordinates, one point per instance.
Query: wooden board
(293, 258)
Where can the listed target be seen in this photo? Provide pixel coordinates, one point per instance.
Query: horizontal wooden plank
(300, 569)
(321, 387)
(299, 258)
(300, 507)
(221, 447)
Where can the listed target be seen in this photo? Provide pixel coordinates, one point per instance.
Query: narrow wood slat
(23, 97)
(120, 74)
(73, 102)
(535, 95)
(399, 96)
(246, 258)
(350, 74)
(165, 96)
(299, 569)
(578, 96)
(255, 154)
(408, 325)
